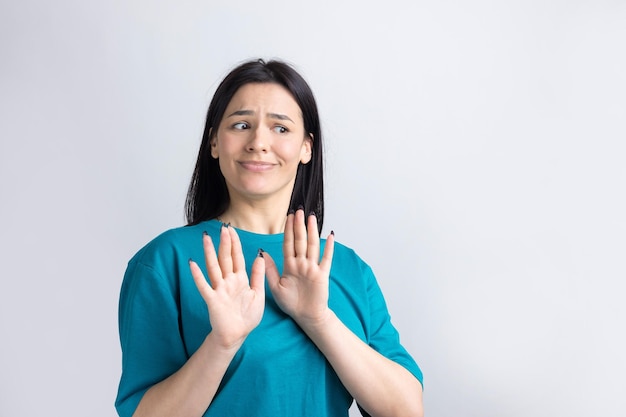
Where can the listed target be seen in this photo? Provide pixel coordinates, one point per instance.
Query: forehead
(264, 97)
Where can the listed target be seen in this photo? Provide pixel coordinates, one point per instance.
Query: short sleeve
(150, 336)
(382, 335)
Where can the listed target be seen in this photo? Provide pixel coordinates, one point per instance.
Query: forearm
(382, 387)
(190, 390)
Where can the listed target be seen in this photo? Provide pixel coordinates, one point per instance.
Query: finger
(224, 255)
(299, 234)
(288, 251)
(201, 283)
(257, 274)
(210, 260)
(329, 249)
(313, 239)
(236, 252)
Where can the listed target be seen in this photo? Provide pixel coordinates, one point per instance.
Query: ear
(213, 143)
(307, 149)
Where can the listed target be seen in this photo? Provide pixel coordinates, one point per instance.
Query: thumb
(271, 272)
(257, 274)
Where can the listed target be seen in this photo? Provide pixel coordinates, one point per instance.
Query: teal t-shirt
(278, 371)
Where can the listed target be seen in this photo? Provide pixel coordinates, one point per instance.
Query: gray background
(475, 158)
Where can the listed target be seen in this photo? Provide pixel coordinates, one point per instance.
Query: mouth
(256, 166)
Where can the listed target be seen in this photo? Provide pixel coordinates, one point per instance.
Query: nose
(259, 139)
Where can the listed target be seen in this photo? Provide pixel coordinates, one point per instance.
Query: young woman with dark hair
(297, 325)
(208, 197)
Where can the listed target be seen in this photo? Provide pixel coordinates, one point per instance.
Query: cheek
(290, 151)
(222, 147)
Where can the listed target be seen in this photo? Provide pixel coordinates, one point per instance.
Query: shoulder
(158, 265)
(349, 271)
(169, 246)
(346, 257)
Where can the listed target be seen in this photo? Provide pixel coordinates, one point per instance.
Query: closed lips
(256, 165)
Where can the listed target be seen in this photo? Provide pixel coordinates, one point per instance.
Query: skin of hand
(302, 290)
(235, 304)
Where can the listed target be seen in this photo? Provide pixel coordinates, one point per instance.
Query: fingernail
(291, 211)
(260, 253)
(205, 233)
(301, 207)
(190, 260)
(332, 232)
(312, 213)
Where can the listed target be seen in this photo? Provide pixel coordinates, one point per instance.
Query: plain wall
(475, 158)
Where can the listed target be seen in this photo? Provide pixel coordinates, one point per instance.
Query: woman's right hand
(235, 304)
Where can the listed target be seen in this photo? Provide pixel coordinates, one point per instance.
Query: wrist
(318, 324)
(219, 345)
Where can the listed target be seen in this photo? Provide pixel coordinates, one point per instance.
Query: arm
(190, 390)
(235, 309)
(381, 386)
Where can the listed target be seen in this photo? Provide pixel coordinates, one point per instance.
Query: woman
(318, 337)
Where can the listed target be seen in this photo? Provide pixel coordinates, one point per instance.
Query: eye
(241, 126)
(280, 129)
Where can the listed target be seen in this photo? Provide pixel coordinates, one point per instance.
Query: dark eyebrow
(241, 113)
(280, 116)
(271, 115)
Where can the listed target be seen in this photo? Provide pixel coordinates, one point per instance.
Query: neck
(257, 219)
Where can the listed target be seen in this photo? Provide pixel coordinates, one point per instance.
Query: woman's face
(260, 142)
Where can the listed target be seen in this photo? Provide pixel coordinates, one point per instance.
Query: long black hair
(207, 197)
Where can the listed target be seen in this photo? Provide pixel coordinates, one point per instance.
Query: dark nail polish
(312, 213)
(301, 207)
(190, 260)
(332, 232)
(205, 233)
(260, 253)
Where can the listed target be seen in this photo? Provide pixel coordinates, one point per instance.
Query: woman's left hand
(302, 290)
